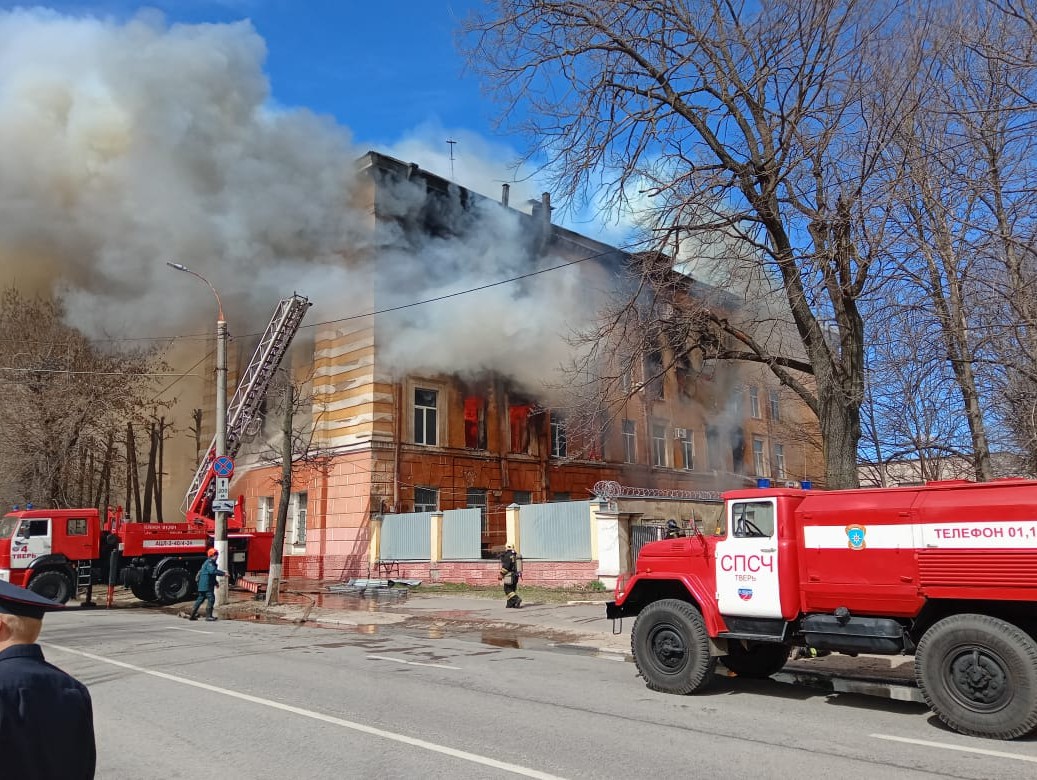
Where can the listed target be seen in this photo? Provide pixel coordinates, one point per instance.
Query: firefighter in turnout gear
(673, 531)
(510, 573)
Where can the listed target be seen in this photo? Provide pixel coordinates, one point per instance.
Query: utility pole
(220, 534)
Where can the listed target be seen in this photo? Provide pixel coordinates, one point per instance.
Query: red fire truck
(56, 552)
(946, 572)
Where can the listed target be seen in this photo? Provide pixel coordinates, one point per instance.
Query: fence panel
(556, 532)
(406, 537)
(462, 534)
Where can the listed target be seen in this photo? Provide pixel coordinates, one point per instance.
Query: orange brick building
(401, 430)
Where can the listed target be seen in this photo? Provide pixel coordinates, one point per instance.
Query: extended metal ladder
(251, 387)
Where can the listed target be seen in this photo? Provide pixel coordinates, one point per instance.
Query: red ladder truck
(58, 552)
(946, 572)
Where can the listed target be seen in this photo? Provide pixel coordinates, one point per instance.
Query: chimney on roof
(504, 190)
(412, 171)
(545, 209)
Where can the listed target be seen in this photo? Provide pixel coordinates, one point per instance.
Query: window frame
(688, 452)
(775, 406)
(426, 506)
(759, 457)
(421, 431)
(629, 441)
(754, 402)
(659, 448)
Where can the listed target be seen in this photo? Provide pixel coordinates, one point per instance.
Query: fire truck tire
(670, 645)
(755, 660)
(173, 585)
(145, 591)
(52, 585)
(979, 675)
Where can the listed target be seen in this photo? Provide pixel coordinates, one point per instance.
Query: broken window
(738, 449)
(475, 423)
(518, 415)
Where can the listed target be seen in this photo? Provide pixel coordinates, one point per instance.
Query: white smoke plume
(127, 145)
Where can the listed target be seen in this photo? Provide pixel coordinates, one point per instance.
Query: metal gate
(643, 533)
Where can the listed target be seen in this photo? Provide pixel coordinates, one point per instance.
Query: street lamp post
(221, 424)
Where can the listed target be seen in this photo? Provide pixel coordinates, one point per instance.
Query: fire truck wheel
(979, 675)
(755, 660)
(671, 647)
(145, 591)
(173, 585)
(52, 585)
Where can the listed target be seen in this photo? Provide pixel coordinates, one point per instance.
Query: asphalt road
(235, 699)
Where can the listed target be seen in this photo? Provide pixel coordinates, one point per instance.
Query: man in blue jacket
(46, 716)
(206, 579)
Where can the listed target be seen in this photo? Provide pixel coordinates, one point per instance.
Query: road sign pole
(222, 590)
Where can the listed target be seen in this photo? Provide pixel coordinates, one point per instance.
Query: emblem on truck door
(855, 537)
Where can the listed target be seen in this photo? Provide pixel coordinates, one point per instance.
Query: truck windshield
(8, 526)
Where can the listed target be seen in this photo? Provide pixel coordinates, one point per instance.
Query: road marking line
(409, 663)
(945, 746)
(412, 741)
(181, 628)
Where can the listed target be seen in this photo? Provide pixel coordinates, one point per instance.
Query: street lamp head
(178, 266)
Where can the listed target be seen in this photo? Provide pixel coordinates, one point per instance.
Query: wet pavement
(577, 626)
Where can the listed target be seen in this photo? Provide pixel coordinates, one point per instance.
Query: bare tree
(295, 454)
(747, 128)
(62, 395)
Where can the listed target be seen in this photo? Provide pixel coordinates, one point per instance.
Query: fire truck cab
(946, 572)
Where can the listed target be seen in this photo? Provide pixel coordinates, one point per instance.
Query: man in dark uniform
(673, 531)
(46, 717)
(510, 572)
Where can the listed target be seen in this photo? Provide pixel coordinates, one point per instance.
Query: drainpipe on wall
(397, 403)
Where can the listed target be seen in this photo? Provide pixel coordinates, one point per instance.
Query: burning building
(441, 384)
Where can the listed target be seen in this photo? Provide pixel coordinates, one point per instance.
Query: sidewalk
(580, 625)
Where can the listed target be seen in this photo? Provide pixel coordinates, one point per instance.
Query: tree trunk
(273, 585)
(132, 477)
(149, 475)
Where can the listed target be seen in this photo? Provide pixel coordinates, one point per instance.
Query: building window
(264, 513)
(299, 501)
(759, 459)
(658, 444)
(688, 452)
(477, 500)
(425, 418)
(559, 446)
(426, 499)
(475, 423)
(519, 418)
(521, 497)
(563, 496)
(754, 402)
(779, 462)
(775, 409)
(629, 441)
(713, 451)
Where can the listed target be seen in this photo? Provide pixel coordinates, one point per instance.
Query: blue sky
(389, 72)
